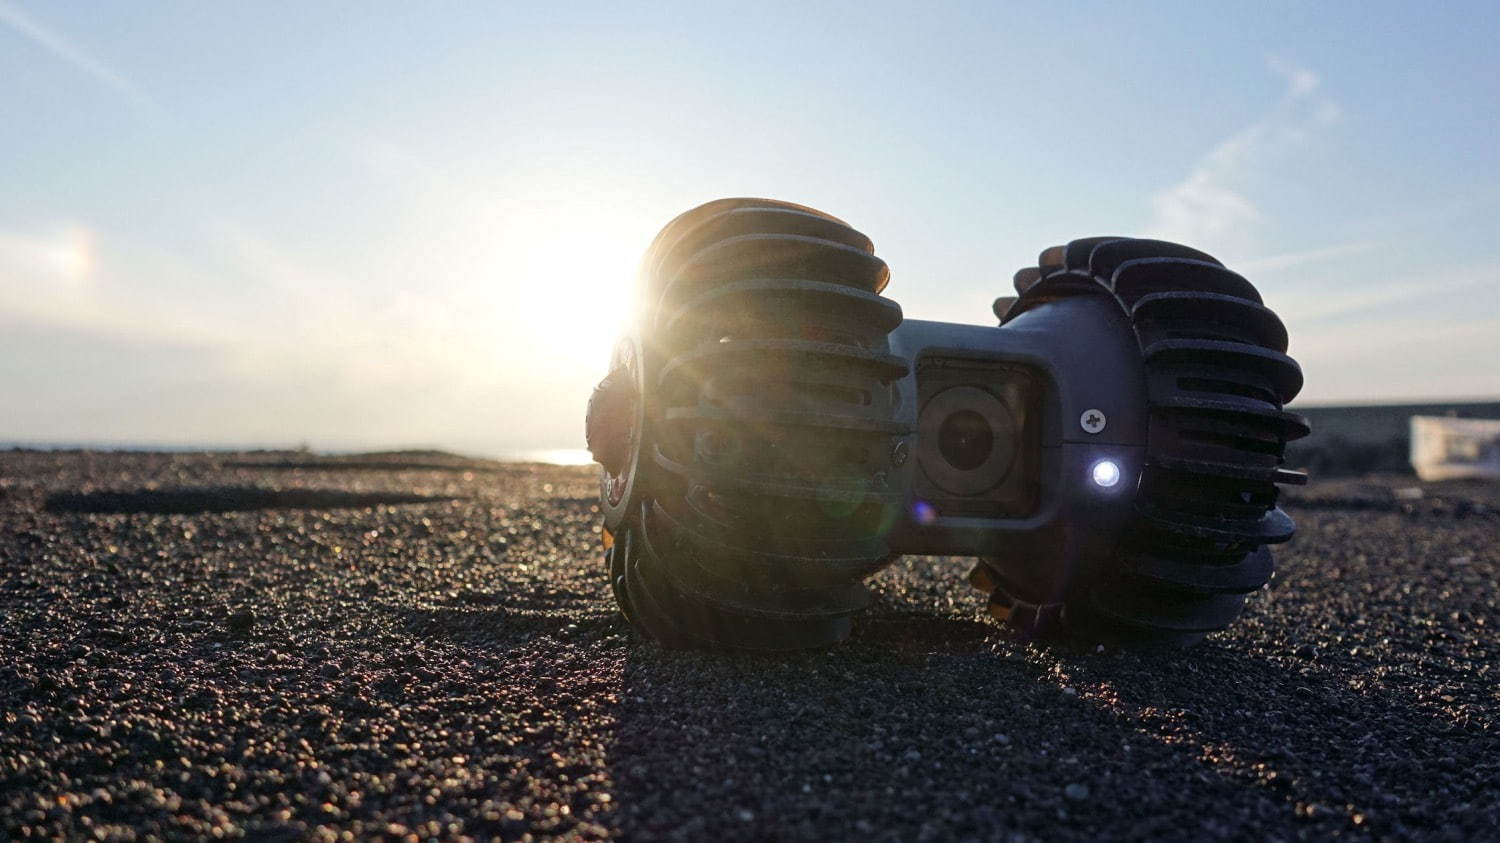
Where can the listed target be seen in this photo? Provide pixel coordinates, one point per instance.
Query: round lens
(965, 440)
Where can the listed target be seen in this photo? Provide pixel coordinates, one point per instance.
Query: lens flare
(924, 513)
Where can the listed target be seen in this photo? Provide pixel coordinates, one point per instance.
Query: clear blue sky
(369, 224)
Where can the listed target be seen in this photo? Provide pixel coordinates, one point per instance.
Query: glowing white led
(1106, 473)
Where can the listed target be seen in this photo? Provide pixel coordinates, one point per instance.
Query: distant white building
(1445, 448)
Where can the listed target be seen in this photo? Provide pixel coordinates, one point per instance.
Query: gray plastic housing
(1086, 356)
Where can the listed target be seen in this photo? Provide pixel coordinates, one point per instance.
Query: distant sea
(553, 456)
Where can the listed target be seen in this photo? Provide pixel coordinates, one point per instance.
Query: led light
(1106, 473)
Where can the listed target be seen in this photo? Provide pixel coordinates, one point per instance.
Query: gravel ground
(282, 647)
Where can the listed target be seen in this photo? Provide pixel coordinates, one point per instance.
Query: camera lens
(965, 440)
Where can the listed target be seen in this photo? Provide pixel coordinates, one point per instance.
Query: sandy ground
(280, 647)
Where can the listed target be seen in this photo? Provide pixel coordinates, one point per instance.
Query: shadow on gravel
(924, 728)
(495, 628)
(1431, 508)
(223, 499)
(1333, 756)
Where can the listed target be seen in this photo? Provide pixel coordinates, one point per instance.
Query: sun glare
(578, 293)
(75, 253)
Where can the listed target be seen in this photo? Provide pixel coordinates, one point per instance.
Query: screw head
(1092, 421)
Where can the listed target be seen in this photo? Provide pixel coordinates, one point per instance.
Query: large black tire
(1218, 378)
(770, 433)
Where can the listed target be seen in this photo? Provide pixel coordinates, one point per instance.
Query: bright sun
(578, 293)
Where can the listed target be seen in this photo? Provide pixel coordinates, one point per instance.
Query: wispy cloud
(1288, 260)
(1343, 336)
(65, 252)
(265, 340)
(1215, 205)
(1389, 305)
(62, 276)
(12, 16)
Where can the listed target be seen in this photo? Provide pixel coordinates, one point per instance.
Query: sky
(370, 225)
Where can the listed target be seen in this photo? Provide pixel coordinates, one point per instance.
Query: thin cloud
(69, 52)
(66, 253)
(1388, 304)
(61, 276)
(1215, 205)
(1301, 80)
(1276, 263)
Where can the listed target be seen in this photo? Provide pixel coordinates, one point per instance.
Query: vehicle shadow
(940, 724)
(941, 727)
